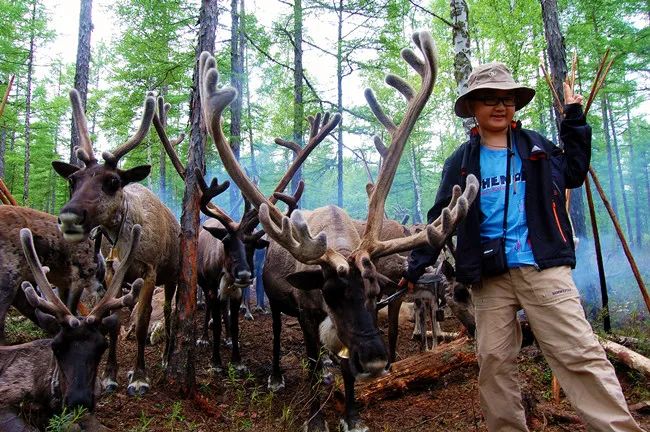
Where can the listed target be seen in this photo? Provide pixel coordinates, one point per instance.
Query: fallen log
(625, 355)
(418, 371)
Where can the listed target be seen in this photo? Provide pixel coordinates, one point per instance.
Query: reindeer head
(80, 342)
(238, 241)
(96, 190)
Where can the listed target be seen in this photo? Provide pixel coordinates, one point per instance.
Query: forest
(289, 60)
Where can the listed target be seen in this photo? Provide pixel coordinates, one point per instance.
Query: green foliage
(64, 421)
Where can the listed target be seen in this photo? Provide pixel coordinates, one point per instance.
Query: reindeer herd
(322, 267)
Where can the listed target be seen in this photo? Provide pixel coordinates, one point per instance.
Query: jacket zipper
(557, 221)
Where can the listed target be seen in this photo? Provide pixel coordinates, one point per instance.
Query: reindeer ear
(47, 322)
(384, 281)
(109, 323)
(64, 169)
(217, 232)
(262, 244)
(136, 174)
(306, 280)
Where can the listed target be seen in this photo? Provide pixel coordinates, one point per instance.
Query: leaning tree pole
(180, 367)
(82, 68)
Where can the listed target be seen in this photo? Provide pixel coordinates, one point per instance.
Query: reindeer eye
(111, 185)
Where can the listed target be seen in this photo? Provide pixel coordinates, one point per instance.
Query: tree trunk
(418, 371)
(28, 107)
(339, 105)
(236, 77)
(82, 69)
(633, 176)
(628, 223)
(298, 106)
(249, 115)
(556, 50)
(3, 148)
(180, 367)
(462, 53)
(162, 163)
(610, 163)
(417, 189)
(577, 212)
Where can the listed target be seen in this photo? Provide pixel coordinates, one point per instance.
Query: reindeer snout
(243, 275)
(80, 399)
(71, 224)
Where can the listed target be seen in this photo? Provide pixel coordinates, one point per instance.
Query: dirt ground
(228, 402)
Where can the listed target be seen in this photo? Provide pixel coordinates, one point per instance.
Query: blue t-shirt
(493, 186)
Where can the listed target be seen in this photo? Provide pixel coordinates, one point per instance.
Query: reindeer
(73, 266)
(62, 371)
(331, 284)
(107, 196)
(225, 247)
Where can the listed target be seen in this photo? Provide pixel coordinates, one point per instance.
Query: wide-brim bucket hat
(494, 76)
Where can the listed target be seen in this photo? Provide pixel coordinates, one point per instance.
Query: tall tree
(82, 70)
(298, 107)
(236, 78)
(461, 43)
(181, 346)
(28, 103)
(339, 105)
(633, 177)
(608, 148)
(620, 174)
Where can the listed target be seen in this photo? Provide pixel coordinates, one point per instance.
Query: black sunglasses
(495, 100)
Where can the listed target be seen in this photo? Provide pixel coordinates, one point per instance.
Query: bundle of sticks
(5, 195)
(599, 81)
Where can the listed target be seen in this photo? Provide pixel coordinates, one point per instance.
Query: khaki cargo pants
(553, 308)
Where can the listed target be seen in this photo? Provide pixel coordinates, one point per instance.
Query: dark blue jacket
(549, 172)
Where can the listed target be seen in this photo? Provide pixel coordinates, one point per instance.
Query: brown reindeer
(332, 282)
(73, 266)
(61, 372)
(107, 196)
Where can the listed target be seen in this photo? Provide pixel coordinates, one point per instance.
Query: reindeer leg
(138, 381)
(109, 380)
(216, 307)
(170, 290)
(204, 340)
(351, 422)
(235, 302)
(393, 328)
(276, 380)
(316, 421)
(225, 317)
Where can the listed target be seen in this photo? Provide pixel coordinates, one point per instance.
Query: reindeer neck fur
(160, 229)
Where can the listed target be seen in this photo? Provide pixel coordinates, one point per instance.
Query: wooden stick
(621, 236)
(556, 98)
(5, 191)
(598, 81)
(6, 95)
(574, 67)
(556, 389)
(599, 258)
(4, 199)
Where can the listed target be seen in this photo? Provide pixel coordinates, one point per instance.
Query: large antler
(112, 157)
(51, 303)
(85, 150)
(437, 231)
(110, 300)
(293, 234)
(209, 192)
